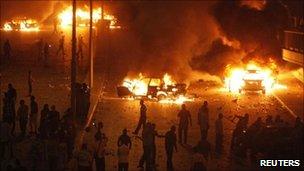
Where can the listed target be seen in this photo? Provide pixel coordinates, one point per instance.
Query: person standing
(11, 97)
(61, 47)
(46, 52)
(147, 140)
(100, 153)
(84, 159)
(23, 114)
(54, 118)
(124, 139)
(142, 118)
(40, 49)
(170, 144)
(219, 132)
(80, 47)
(33, 115)
(55, 25)
(185, 118)
(7, 50)
(30, 82)
(123, 157)
(203, 120)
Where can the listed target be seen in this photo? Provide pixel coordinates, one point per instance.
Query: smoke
(253, 26)
(254, 4)
(164, 36)
(181, 38)
(29, 9)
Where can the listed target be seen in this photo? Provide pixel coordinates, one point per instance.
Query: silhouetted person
(7, 49)
(40, 49)
(153, 145)
(33, 115)
(54, 118)
(61, 47)
(142, 118)
(124, 139)
(203, 120)
(99, 134)
(147, 139)
(269, 120)
(23, 114)
(11, 93)
(11, 96)
(55, 25)
(52, 152)
(100, 152)
(241, 125)
(170, 145)
(84, 159)
(30, 82)
(123, 157)
(184, 119)
(46, 53)
(80, 48)
(219, 133)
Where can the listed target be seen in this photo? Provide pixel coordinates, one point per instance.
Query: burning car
(251, 77)
(253, 81)
(21, 25)
(152, 88)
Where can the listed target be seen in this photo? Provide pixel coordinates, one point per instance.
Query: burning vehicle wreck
(23, 24)
(161, 89)
(252, 78)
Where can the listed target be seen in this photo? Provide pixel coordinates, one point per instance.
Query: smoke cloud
(255, 25)
(180, 37)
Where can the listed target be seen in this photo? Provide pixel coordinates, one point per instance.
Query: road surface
(117, 114)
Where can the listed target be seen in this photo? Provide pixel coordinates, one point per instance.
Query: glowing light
(236, 77)
(26, 25)
(83, 17)
(139, 87)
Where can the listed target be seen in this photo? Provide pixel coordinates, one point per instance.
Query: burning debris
(83, 17)
(251, 77)
(165, 90)
(26, 25)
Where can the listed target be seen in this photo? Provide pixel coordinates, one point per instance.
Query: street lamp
(73, 62)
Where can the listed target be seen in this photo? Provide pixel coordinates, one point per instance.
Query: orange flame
(26, 25)
(139, 87)
(235, 77)
(83, 17)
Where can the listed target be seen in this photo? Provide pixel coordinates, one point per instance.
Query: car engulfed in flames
(26, 25)
(65, 17)
(164, 90)
(252, 77)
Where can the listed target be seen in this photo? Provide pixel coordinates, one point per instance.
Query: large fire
(165, 90)
(236, 77)
(26, 25)
(83, 17)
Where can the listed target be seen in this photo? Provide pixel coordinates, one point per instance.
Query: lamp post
(91, 46)
(73, 62)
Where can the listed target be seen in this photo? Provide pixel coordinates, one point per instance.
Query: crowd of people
(272, 138)
(52, 138)
(43, 50)
(246, 139)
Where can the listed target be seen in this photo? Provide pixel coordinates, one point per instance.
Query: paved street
(117, 114)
